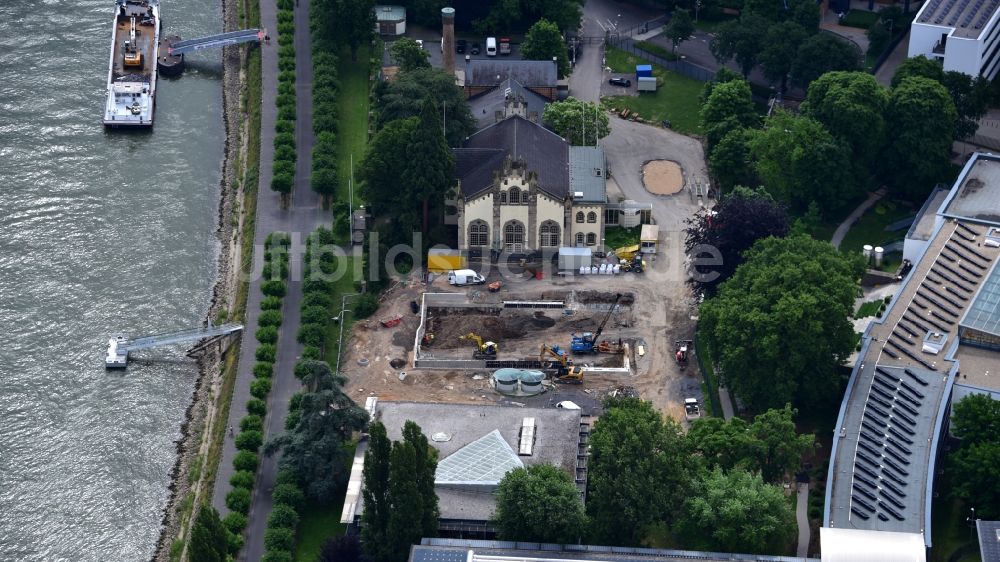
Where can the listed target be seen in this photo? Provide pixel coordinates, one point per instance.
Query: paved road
(801, 511)
(302, 216)
(841, 232)
(888, 68)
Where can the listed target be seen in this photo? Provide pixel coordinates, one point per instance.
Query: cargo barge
(132, 70)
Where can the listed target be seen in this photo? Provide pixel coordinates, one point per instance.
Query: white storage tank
(531, 382)
(505, 380)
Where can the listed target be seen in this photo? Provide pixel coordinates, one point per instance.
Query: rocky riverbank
(201, 414)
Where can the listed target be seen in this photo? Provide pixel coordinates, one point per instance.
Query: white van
(465, 277)
(491, 46)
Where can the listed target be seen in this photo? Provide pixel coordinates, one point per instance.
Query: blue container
(643, 70)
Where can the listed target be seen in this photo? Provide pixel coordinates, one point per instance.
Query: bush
(292, 419)
(279, 539)
(316, 299)
(242, 479)
(251, 423)
(259, 388)
(271, 303)
(273, 288)
(315, 286)
(263, 370)
(288, 494)
(312, 352)
(277, 556)
(238, 500)
(286, 64)
(235, 522)
(283, 517)
(311, 334)
(365, 306)
(286, 77)
(235, 543)
(286, 5)
(287, 113)
(284, 139)
(249, 441)
(256, 406)
(245, 460)
(285, 153)
(315, 315)
(284, 126)
(284, 167)
(267, 334)
(266, 352)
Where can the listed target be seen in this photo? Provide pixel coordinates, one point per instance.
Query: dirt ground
(659, 313)
(662, 177)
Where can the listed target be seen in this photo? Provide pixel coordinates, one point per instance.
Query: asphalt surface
(303, 215)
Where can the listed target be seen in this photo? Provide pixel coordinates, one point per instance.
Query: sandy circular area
(662, 177)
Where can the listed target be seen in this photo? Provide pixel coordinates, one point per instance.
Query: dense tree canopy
(976, 418)
(781, 47)
(209, 542)
(375, 493)
(544, 41)
(971, 97)
(740, 219)
(508, 16)
(352, 20)
(976, 421)
(384, 163)
(918, 66)
(822, 53)
(729, 161)
(639, 471)
(582, 123)
(680, 28)
(736, 511)
(742, 40)
(921, 116)
(780, 325)
(729, 107)
(345, 548)
(404, 97)
(430, 170)
(799, 162)
(539, 504)
(409, 55)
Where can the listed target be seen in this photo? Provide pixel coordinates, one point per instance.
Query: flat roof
(850, 545)
(586, 173)
(989, 540)
(967, 17)
(922, 226)
(978, 195)
(468, 550)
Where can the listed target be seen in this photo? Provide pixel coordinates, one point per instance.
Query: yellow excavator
(484, 349)
(132, 57)
(566, 372)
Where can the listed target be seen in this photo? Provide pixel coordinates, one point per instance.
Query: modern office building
(963, 34)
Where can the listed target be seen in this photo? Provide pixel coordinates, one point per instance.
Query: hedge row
(251, 435)
(279, 538)
(324, 178)
(283, 177)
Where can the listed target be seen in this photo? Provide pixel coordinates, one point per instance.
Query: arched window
(579, 239)
(479, 233)
(513, 237)
(592, 217)
(503, 197)
(591, 239)
(548, 234)
(579, 216)
(514, 196)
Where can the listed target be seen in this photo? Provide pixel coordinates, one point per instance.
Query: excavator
(132, 57)
(682, 348)
(566, 372)
(484, 349)
(586, 342)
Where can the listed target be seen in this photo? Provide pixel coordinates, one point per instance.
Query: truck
(491, 46)
(440, 260)
(505, 46)
(465, 277)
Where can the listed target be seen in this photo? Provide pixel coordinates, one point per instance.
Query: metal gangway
(120, 346)
(215, 41)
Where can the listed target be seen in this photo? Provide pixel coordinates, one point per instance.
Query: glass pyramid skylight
(484, 462)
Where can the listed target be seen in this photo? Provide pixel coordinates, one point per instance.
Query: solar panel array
(952, 10)
(885, 441)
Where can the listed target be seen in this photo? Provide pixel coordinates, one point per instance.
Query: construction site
(581, 337)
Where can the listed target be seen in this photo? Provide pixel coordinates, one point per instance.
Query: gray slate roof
(989, 540)
(485, 105)
(544, 152)
(586, 173)
(491, 72)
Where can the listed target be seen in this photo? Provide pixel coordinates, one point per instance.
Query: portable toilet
(643, 70)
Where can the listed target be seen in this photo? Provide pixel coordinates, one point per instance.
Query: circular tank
(505, 380)
(531, 382)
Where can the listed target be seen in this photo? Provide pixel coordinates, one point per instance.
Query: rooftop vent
(993, 237)
(527, 443)
(577, 195)
(934, 342)
(597, 172)
(441, 437)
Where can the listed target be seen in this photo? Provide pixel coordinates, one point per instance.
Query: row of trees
(283, 178)
(343, 22)
(717, 488)
(515, 15)
(972, 466)
(324, 179)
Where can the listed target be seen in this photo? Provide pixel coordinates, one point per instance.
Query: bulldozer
(682, 350)
(566, 372)
(484, 349)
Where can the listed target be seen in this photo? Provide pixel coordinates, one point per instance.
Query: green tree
(375, 492)
(384, 164)
(539, 504)
(356, 23)
(918, 66)
(430, 169)
(729, 160)
(781, 47)
(407, 501)
(639, 471)
(680, 28)
(404, 97)
(976, 418)
(742, 40)
(780, 448)
(582, 123)
(799, 162)
(208, 537)
(409, 55)
(921, 117)
(779, 326)
(974, 477)
(314, 449)
(345, 548)
(971, 97)
(737, 512)
(878, 39)
(722, 76)
(425, 459)
(822, 53)
(543, 42)
(728, 107)
(851, 105)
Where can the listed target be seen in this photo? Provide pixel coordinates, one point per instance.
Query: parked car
(475, 48)
(620, 82)
(460, 46)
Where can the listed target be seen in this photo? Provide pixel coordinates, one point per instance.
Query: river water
(100, 233)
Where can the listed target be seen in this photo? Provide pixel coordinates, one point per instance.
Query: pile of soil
(448, 331)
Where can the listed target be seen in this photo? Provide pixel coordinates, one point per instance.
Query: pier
(172, 48)
(119, 347)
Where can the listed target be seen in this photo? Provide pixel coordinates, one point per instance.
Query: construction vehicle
(635, 264)
(587, 341)
(691, 409)
(132, 57)
(682, 351)
(565, 371)
(627, 252)
(484, 349)
(615, 348)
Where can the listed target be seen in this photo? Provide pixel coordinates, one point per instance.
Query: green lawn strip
(341, 287)
(621, 61)
(869, 308)
(618, 237)
(711, 383)
(352, 135)
(676, 97)
(870, 229)
(318, 523)
(656, 49)
(711, 26)
(860, 18)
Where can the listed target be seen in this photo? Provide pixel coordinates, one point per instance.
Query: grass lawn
(869, 308)
(710, 384)
(711, 26)
(656, 49)
(343, 286)
(616, 237)
(676, 97)
(870, 229)
(319, 523)
(859, 18)
(352, 134)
